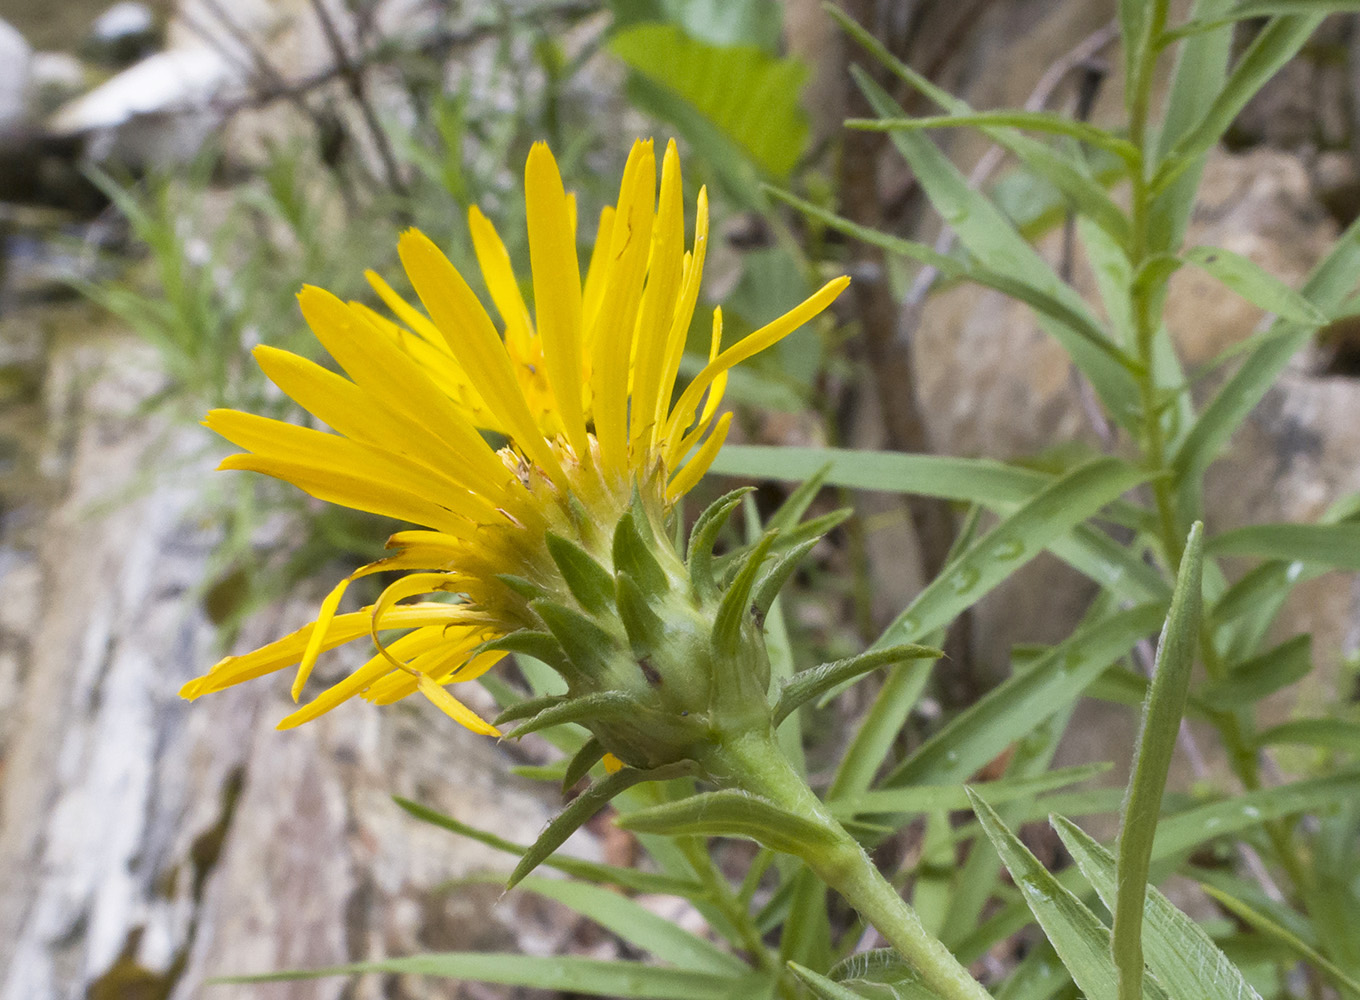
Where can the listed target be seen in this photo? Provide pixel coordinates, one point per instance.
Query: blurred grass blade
(637, 925)
(1276, 43)
(1263, 675)
(1036, 121)
(1261, 922)
(1335, 545)
(1255, 284)
(1152, 758)
(1078, 936)
(1185, 831)
(990, 238)
(1078, 320)
(933, 798)
(565, 973)
(627, 878)
(1325, 734)
(1180, 954)
(1021, 703)
(1053, 512)
(1070, 176)
(1327, 286)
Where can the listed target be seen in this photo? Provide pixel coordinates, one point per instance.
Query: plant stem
(752, 762)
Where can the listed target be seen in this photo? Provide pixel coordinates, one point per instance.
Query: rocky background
(146, 845)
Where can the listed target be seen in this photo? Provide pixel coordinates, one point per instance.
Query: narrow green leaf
(1255, 284)
(1336, 545)
(1078, 320)
(879, 730)
(1070, 176)
(581, 808)
(1035, 121)
(527, 642)
(529, 707)
(1327, 734)
(1186, 830)
(585, 644)
(821, 987)
(566, 973)
(646, 630)
(939, 798)
(793, 508)
(1255, 918)
(1152, 758)
(1180, 954)
(1076, 933)
(730, 813)
(626, 878)
(638, 926)
(802, 687)
(1022, 702)
(1050, 514)
(989, 236)
(1276, 43)
(1249, 682)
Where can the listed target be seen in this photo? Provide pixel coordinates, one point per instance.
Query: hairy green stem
(753, 762)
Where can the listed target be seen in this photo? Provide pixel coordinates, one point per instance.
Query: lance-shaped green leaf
(736, 601)
(880, 967)
(1053, 512)
(559, 973)
(603, 705)
(938, 798)
(1263, 675)
(582, 808)
(1336, 545)
(731, 813)
(989, 236)
(1044, 302)
(529, 707)
(636, 924)
(1258, 286)
(1068, 174)
(590, 754)
(822, 987)
(1152, 758)
(589, 582)
(699, 557)
(1034, 121)
(1329, 734)
(772, 582)
(645, 628)
(526, 589)
(633, 554)
(1078, 936)
(1261, 922)
(585, 644)
(1180, 954)
(806, 685)
(593, 871)
(1023, 702)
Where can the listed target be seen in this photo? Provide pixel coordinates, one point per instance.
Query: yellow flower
(582, 392)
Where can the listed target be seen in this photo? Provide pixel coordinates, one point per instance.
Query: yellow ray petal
(686, 478)
(753, 344)
(494, 260)
(595, 277)
(630, 244)
(684, 312)
(658, 304)
(557, 289)
(454, 708)
(381, 369)
(474, 341)
(411, 644)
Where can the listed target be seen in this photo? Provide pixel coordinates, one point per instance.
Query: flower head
(566, 521)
